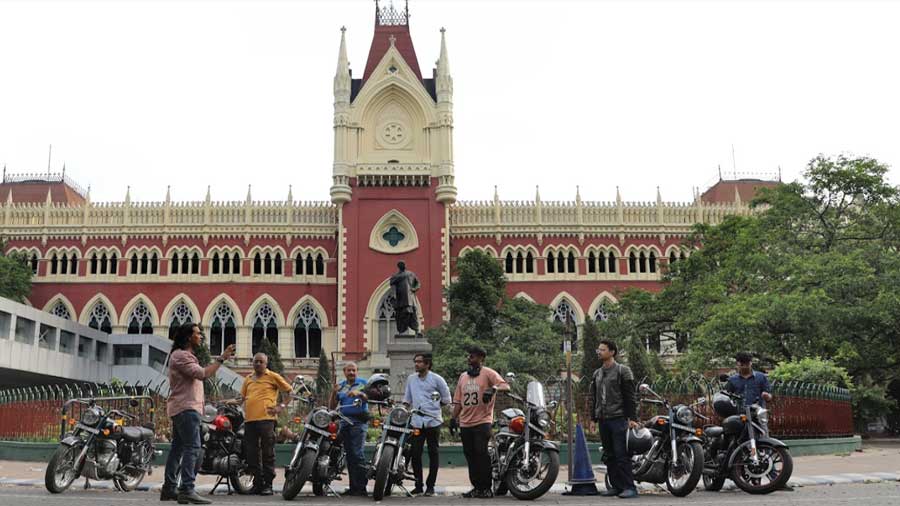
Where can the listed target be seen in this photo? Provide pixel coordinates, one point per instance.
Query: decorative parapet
(105, 219)
(561, 218)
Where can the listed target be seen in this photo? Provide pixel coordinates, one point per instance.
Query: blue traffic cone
(583, 481)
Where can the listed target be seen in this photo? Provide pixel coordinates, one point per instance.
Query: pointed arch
(604, 296)
(61, 299)
(262, 299)
(295, 309)
(396, 221)
(129, 307)
(219, 299)
(85, 314)
(523, 295)
(181, 297)
(573, 303)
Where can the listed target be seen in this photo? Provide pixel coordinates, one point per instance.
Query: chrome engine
(102, 462)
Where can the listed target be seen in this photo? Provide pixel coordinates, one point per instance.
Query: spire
(342, 74)
(658, 196)
(208, 194)
(249, 198)
(537, 193)
(443, 81)
(577, 193)
(168, 193)
(737, 196)
(49, 197)
(618, 196)
(444, 62)
(9, 200)
(496, 195)
(128, 195)
(290, 197)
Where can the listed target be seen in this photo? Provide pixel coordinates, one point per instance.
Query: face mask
(474, 371)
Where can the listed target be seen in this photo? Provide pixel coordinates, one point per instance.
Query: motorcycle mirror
(644, 388)
(435, 396)
(133, 403)
(298, 378)
(723, 377)
(701, 401)
(552, 405)
(357, 401)
(510, 376)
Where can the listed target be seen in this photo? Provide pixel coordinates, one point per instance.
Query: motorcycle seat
(714, 431)
(135, 434)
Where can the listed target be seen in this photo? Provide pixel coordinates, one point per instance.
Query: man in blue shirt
(354, 435)
(419, 387)
(752, 385)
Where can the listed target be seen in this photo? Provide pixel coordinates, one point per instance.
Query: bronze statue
(404, 284)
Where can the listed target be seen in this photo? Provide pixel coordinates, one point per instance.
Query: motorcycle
(523, 462)
(101, 447)
(394, 447)
(741, 449)
(318, 455)
(676, 455)
(222, 447)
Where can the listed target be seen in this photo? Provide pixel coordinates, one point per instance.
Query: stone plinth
(400, 353)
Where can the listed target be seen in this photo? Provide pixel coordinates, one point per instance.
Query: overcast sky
(637, 94)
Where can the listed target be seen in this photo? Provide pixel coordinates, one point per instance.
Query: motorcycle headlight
(398, 417)
(763, 416)
(684, 415)
(543, 419)
(321, 419)
(91, 417)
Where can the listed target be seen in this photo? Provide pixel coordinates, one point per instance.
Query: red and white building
(315, 275)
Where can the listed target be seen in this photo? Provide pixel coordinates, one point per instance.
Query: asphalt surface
(870, 494)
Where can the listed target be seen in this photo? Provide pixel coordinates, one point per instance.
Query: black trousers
(613, 433)
(475, 448)
(429, 435)
(259, 445)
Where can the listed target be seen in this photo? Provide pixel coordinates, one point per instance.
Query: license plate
(86, 428)
(317, 430)
(398, 429)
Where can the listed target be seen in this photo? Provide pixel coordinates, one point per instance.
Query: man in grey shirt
(419, 387)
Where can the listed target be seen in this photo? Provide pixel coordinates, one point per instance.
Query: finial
(168, 194)
(578, 193)
(128, 194)
(720, 172)
(618, 196)
(658, 196)
(737, 196)
(537, 192)
(343, 29)
(64, 171)
(4, 172)
(49, 197)
(496, 195)
(9, 197)
(208, 196)
(249, 198)
(290, 197)
(392, 39)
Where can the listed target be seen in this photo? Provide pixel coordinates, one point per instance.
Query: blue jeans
(354, 439)
(613, 433)
(184, 452)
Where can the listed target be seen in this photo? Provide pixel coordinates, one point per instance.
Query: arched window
(181, 314)
(592, 259)
(320, 265)
(226, 268)
(235, 264)
(215, 263)
(34, 263)
(672, 257)
(519, 261)
(94, 263)
(59, 309)
(73, 264)
(551, 264)
(113, 264)
(310, 265)
(642, 260)
(223, 331)
(386, 319)
(277, 266)
(195, 264)
(564, 314)
(104, 266)
(257, 264)
(612, 262)
(652, 262)
(298, 264)
(264, 325)
(571, 263)
(139, 321)
(154, 264)
(509, 263)
(267, 264)
(560, 262)
(64, 264)
(100, 318)
(54, 267)
(632, 263)
(173, 269)
(307, 333)
(185, 263)
(144, 263)
(602, 312)
(529, 263)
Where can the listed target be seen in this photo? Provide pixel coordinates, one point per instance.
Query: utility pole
(567, 346)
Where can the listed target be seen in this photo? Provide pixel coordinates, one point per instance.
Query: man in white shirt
(419, 387)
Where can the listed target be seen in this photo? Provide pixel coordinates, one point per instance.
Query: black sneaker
(429, 492)
(191, 497)
(265, 490)
(168, 494)
(416, 491)
(472, 494)
(486, 494)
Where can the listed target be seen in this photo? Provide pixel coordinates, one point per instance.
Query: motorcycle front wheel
(528, 481)
(683, 476)
(383, 472)
(294, 481)
(771, 472)
(61, 469)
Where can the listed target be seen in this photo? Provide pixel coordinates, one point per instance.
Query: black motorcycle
(318, 455)
(676, 455)
(523, 462)
(101, 446)
(393, 450)
(222, 447)
(742, 450)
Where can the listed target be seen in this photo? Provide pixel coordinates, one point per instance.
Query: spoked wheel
(382, 473)
(242, 482)
(134, 478)
(61, 469)
(771, 471)
(533, 479)
(683, 476)
(295, 479)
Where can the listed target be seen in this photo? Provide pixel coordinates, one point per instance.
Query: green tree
(812, 370)
(590, 339)
(323, 378)
(271, 351)
(517, 334)
(15, 277)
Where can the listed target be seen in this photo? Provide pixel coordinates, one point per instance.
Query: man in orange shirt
(473, 412)
(260, 394)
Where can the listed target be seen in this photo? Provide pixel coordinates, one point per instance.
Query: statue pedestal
(401, 353)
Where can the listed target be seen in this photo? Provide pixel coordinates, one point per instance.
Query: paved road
(873, 494)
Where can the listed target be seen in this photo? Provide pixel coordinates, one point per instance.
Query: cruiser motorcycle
(676, 455)
(318, 455)
(101, 447)
(392, 452)
(741, 449)
(523, 462)
(222, 447)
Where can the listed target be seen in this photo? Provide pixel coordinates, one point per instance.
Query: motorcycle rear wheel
(242, 482)
(61, 469)
(744, 476)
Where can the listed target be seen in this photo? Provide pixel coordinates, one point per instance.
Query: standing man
(261, 394)
(184, 407)
(615, 410)
(419, 387)
(354, 434)
(752, 385)
(473, 412)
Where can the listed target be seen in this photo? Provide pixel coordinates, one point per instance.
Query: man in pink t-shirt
(473, 411)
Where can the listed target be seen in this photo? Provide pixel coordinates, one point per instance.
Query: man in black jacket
(615, 410)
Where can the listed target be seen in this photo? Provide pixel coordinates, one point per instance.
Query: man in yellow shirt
(260, 395)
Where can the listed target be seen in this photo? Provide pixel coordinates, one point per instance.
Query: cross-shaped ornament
(393, 236)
